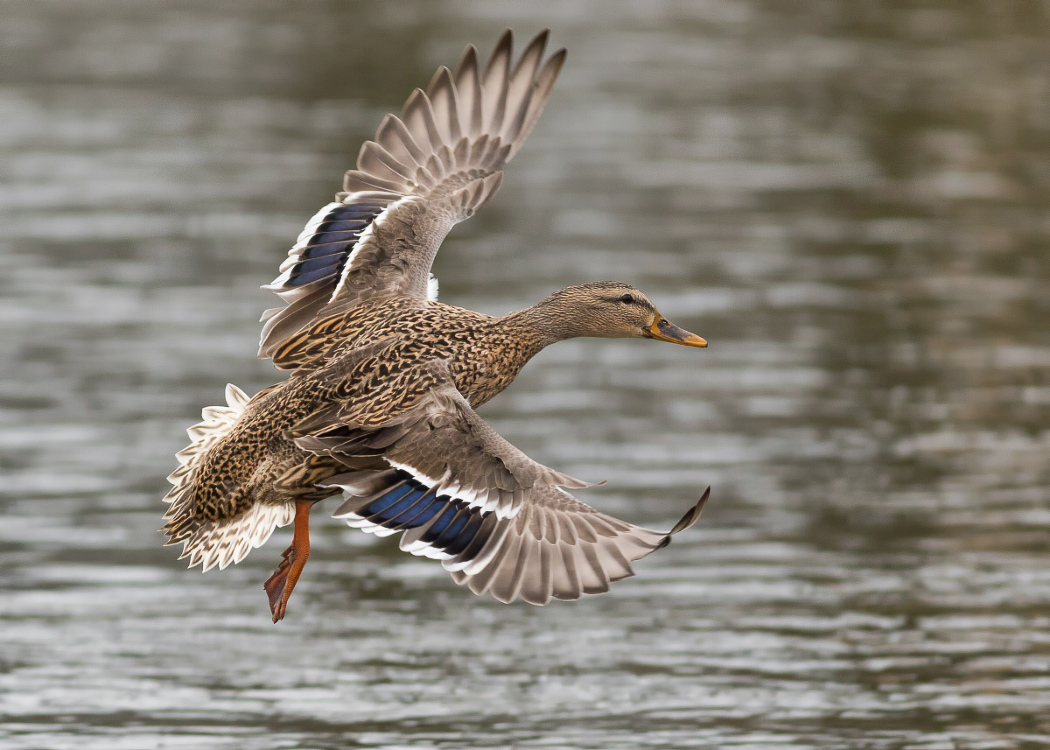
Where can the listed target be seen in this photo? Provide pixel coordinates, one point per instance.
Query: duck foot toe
(279, 586)
(275, 585)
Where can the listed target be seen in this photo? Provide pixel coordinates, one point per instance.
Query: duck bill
(664, 330)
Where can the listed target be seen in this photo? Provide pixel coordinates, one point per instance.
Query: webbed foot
(279, 586)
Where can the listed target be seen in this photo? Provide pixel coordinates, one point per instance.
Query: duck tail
(220, 541)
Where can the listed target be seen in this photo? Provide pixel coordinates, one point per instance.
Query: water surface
(848, 200)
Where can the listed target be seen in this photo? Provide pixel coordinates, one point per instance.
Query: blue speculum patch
(410, 505)
(326, 251)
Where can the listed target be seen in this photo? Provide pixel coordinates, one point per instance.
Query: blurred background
(848, 200)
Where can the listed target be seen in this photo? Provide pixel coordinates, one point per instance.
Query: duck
(379, 406)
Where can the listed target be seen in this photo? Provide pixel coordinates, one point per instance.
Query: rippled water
(849, 200)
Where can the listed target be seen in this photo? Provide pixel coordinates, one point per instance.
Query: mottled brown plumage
(385, 379)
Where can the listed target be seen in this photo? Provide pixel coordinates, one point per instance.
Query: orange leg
(279, 586)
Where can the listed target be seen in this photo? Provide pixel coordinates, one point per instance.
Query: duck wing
(426, 170)
(500, 522)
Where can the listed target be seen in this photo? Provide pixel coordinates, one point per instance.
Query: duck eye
(627, 299)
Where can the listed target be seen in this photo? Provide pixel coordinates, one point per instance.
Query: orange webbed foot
(276, 583)
(279, 586)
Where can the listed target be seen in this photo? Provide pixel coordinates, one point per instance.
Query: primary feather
(386, 379)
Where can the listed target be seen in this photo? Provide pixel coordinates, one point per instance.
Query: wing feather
(445, 102)
(499, 521)
(494, 88)
(396, 138)
(428, 169)
(468, 87)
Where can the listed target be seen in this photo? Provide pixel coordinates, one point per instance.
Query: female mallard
(385, 379)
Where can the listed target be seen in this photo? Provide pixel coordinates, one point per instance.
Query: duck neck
(540, 325)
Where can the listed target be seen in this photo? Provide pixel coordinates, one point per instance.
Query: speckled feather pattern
(387, 390)
(385, 379)
(256, 462)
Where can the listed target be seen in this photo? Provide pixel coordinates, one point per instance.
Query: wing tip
(557, 60)
(504, 45)
(689, 519)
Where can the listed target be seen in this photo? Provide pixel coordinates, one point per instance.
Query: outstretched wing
(500, 522)
(428, 169)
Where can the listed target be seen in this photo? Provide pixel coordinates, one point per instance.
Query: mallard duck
(385, 380)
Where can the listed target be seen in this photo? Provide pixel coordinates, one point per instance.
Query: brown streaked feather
(428, 169)
(541, 543)
(206, 538)
(240, 477)
(386, 379)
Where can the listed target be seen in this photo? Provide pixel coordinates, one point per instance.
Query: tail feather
(222, 541)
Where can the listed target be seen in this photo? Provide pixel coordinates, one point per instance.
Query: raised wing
(424, 172)
(500, 522)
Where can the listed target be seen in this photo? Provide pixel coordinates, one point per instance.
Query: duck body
(485, 353)
(380, 404)
(258, 462)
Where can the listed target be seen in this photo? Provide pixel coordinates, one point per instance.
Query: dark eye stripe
(619, 299)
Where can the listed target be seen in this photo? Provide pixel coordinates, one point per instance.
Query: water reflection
(847, 200)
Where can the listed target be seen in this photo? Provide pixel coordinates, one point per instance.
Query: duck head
(611, 309)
